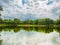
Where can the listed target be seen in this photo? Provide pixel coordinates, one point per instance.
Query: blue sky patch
(23, 2)
(50, 2)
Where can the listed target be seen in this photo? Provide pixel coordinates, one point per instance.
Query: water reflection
(29, 36)
(37, 29)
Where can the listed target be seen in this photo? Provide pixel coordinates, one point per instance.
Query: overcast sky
(30, 9)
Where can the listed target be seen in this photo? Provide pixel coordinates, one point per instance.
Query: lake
(29, 36)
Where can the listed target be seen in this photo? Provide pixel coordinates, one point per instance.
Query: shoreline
(4, 25)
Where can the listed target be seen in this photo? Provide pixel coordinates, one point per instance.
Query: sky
(30, 9)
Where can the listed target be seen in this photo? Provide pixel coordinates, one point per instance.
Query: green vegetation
(37, 29)
(34, 23)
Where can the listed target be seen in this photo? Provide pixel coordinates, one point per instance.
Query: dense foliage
(45, 21)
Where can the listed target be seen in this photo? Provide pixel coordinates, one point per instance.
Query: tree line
(16, 21)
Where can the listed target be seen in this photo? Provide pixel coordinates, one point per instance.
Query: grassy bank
(51, 26)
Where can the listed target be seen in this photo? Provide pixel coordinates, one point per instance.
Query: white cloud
(37, 8)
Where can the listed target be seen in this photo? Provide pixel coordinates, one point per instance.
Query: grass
(52, 26)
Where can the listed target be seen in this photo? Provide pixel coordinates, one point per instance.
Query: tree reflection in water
(38, 29)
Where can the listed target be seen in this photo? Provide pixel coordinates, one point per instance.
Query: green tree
(57, 22)
(48, 21)
(1, 9)
(1, 21)
(36, 22)
(17, 21)
(28, 21)
(45, 21)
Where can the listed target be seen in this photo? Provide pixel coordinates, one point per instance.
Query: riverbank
(52, 26)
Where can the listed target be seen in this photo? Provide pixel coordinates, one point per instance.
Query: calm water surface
(28, 36)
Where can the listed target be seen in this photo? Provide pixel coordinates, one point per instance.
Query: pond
(29, 36)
